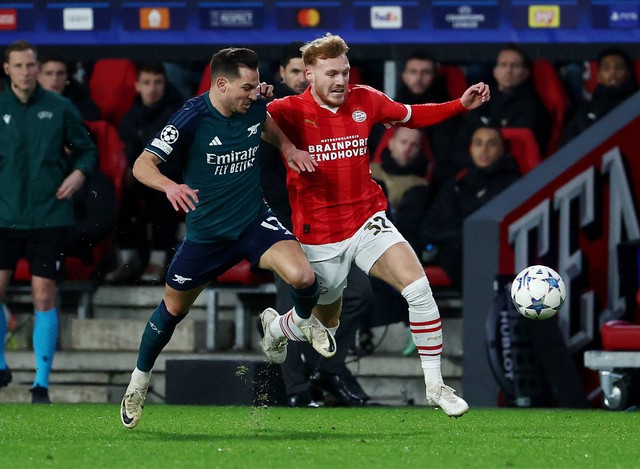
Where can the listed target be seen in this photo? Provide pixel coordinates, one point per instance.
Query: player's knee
(43, 302)
(418, 293)
(300, 277)
(176, 308)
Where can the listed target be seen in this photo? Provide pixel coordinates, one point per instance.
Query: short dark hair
(513, 47)
(227, 62)
(493, 127)
(619, 52)
(19, 46)
(155, 68)
(291, 51)
(53, 56)
(419, 54)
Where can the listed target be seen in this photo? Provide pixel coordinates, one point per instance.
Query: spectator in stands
(54, 75)
(440, 224)
(616, 82)
(156, 100)
(304, 370)
(421, 84)
(404, 164)
(38, 180)
(514, 100)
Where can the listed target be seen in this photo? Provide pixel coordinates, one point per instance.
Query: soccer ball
(538, 292)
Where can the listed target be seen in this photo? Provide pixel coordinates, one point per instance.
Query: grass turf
(91, 436)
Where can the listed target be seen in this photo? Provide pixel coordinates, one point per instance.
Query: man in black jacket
(616, 83)
(156, 101)
(420, 83)
(305, 372)
(514, 100)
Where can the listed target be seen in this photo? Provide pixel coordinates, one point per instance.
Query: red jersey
(330, 204)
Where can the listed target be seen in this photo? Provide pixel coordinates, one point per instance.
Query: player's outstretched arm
(297, 160)
(475, 96)
(145, 170)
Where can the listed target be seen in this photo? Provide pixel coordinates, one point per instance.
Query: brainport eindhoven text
(339, 149)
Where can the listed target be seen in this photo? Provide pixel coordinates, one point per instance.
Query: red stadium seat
(620, 335)
(113, 87)
(590, 77)
(455, 80)
(205, 81)
(437, 276)
(554, 97)
(241, 275)
(241, 281)
(112, 160)
(522, 144)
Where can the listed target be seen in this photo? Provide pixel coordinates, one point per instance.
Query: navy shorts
(196, 264)
(41, 248)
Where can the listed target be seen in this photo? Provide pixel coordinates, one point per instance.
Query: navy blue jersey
(218, 157)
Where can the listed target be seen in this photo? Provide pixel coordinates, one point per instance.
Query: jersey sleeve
(423, 115)
(176, 132)
(391, 112)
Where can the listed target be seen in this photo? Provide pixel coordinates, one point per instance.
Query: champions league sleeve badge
(169, 134)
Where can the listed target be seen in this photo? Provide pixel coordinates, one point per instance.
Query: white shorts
(332, 262)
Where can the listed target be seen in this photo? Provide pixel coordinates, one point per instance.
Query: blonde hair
(327, 47)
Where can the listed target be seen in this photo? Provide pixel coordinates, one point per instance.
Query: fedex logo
(386, 17)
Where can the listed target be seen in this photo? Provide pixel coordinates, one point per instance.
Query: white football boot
(317, 334)
(133, 404)
(441, 395)
(275, 349)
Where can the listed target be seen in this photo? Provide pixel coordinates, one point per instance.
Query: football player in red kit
(339, 211)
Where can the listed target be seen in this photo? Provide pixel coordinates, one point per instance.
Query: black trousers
(302, 360)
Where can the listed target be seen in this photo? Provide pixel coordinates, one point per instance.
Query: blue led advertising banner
(186, 22)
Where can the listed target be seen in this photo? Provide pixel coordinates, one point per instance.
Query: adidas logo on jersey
(215, 142)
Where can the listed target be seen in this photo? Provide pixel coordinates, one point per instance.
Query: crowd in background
(434, 177)
(415, 168)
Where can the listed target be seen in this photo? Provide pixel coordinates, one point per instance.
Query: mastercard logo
(308, 17)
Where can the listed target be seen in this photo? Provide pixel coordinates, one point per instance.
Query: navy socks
(156, 335)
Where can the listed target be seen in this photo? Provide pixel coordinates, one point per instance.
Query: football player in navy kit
(216, 136)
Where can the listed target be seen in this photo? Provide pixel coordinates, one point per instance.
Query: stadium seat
(522, 144)
(620, 335)
(205, 81)
(112, 160)
(554, 97)
(589, 77)
(355, 76)
(241, 281)
(112, 85)
(455, 80)
(437, 276)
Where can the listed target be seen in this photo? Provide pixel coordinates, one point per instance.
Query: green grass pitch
(91, 436)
